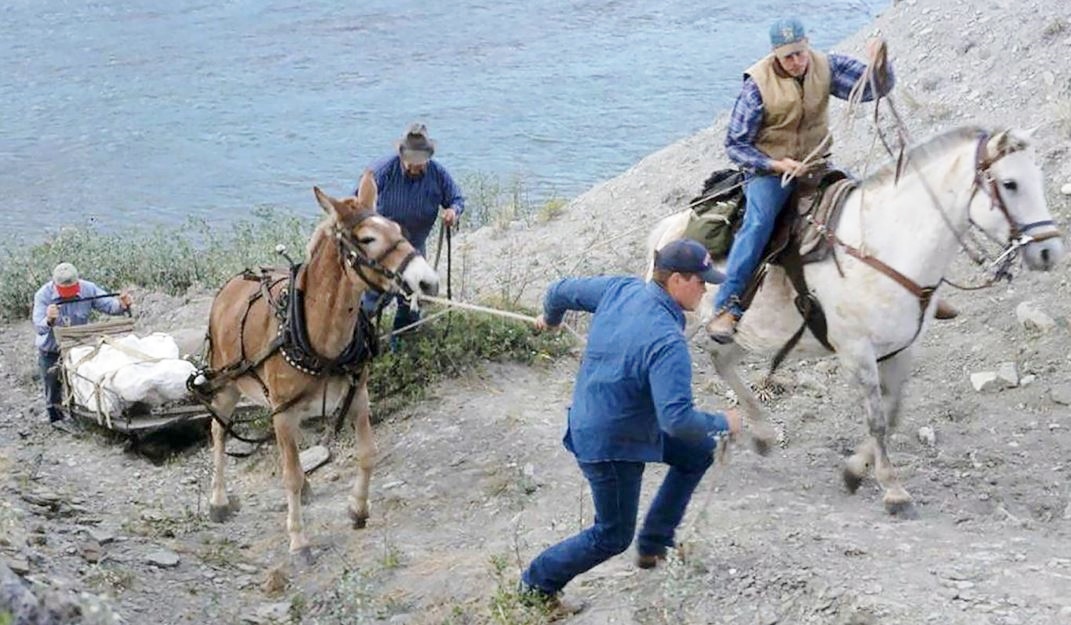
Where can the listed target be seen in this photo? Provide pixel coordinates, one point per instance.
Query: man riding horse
(779, 124)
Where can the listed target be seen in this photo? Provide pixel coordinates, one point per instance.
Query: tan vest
(794, 118)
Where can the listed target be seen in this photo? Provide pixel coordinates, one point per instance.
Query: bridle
(1018, 237)
(1018, 233)
(352, 251)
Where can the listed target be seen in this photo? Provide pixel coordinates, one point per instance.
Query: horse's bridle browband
(987, 183)
(360, 261)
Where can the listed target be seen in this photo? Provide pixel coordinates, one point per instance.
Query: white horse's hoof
(302, 558)
(220, 514)
(904, 509)
(855, 470)
(763, 437)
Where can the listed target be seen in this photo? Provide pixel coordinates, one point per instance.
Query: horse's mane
(921, 154)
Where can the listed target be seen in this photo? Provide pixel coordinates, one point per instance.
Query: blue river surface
(144, 112)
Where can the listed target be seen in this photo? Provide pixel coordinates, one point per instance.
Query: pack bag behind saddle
(714, 215)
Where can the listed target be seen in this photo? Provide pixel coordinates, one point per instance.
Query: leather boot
(722, 327)
(553, 606)
(649, 561)
(944, 310)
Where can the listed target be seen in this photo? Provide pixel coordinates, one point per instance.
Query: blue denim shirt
(415, 202)
(634, 386)
(71, 314)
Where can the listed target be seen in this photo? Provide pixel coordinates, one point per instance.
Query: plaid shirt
(415, 202)
(746, 120)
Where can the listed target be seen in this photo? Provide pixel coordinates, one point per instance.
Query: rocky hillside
(473, 482)
(997, 63)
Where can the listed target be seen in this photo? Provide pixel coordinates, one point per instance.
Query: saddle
(802, 235)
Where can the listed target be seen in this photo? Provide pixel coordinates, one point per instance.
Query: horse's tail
(669, 228)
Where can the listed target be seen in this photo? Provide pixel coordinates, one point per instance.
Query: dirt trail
(473, 481)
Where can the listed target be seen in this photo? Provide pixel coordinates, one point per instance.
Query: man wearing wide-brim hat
(780, 120)
(414, 190)
(65, 300)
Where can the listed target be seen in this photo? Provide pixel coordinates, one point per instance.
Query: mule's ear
(366, 192)
(326, 202)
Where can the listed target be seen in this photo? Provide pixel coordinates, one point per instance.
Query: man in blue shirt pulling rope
(632, 405)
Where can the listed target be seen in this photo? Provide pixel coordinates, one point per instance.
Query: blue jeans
(46, 365)
(615, 488)
(765, 197)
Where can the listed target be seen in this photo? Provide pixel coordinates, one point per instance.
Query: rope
(491, 311)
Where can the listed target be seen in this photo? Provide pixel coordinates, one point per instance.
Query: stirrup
(722, 328)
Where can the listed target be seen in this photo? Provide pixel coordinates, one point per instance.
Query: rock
(314, 458)
(1031, 318)
(19, 566)
(102, 536)
(1008, 373)
(1066, 189)
(983, 381)
(275, 580)
(1067, 512)
(91, 551)
(274, 612)
(163, 558)
(152, 516)
(927, 436)
(1027, 379)
(1061, 394)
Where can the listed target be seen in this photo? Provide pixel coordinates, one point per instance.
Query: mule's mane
(322, 230)
(922, 153)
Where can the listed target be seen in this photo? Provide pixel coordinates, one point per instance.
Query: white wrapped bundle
(120, 371)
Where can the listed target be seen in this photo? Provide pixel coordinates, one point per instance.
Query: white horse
(962, 180)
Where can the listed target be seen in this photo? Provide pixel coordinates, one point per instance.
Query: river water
(143, 112)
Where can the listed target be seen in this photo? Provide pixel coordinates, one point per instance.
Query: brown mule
(351, 250)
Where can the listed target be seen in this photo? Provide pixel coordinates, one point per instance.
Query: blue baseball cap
(788, 31)
(688, 256)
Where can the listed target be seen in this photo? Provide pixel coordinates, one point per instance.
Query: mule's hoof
(306, 493)
(904, 509)
(220, 514)
(302, 558)
(852, 480)
(359, 520)
(761, 445)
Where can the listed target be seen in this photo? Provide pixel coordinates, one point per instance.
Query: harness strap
(807, 304)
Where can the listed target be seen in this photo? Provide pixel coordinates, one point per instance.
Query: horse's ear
(366, 192)
(997, 144)
(1005, 142)
(328, 203)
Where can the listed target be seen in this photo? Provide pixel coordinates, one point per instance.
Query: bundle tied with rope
(109, 369)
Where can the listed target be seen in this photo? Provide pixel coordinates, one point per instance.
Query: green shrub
(167, 259)
(450, 346)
